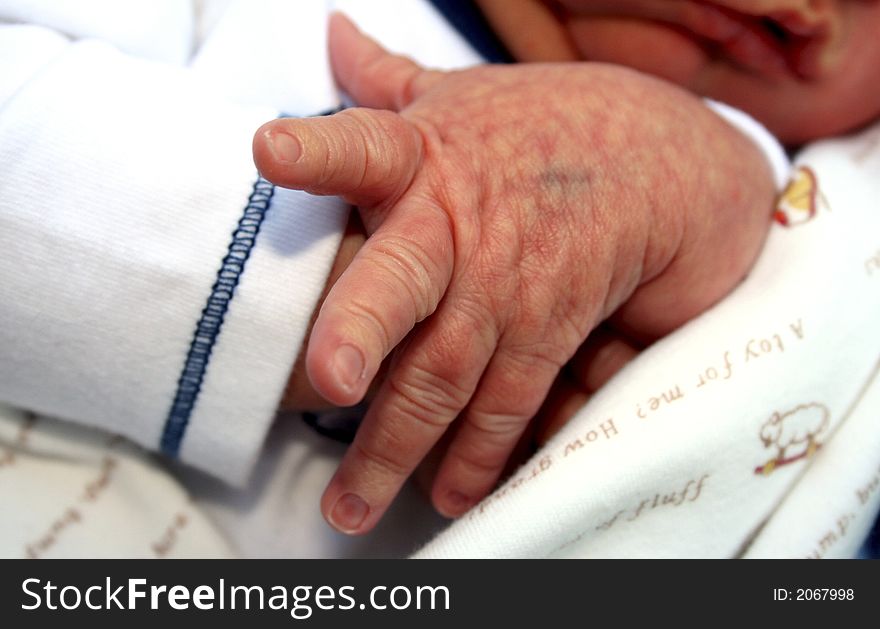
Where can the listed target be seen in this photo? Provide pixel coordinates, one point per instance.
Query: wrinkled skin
(510, 210)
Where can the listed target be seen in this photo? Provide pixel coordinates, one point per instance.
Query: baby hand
(509, 210)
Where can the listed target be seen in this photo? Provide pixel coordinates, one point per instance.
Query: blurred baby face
(806, 68)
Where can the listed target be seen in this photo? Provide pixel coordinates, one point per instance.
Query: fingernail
(457, 503)
(349, 513)
(348, 365)
(284, 147)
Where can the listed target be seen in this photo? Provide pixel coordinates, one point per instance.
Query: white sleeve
(162, 30)
(780, 164)
(150, 283)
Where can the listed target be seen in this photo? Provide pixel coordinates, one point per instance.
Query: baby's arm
(510, 211)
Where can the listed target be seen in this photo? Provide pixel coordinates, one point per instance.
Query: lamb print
(794, 434)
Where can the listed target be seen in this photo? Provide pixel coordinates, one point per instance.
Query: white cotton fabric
(270, 52)
(160, 30)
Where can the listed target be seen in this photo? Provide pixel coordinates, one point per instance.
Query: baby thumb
(370, 157)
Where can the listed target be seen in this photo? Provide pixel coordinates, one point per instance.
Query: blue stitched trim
(208, 327)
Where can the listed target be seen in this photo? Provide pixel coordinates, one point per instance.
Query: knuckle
(390, 149)
(489, 441)
(413, 270)
(537, 357)
(516, 389)
(497, 427)
(574, 328)
(332, 159)
(478, 461)
(352, 150)
(410, 75)
(373, 132)
(429, 398)
(369, 318)
(395, 70)
(473, 308)
(378, 67)
(382, 459)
